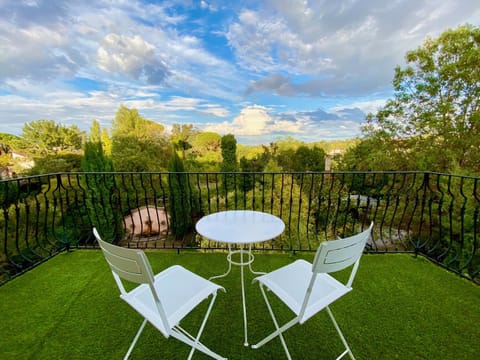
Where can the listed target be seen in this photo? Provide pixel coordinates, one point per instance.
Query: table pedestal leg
(229, 265)
(251, 258)
(243, 299)
(242, 263)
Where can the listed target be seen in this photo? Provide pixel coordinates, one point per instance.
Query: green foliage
(95, 132)
(272, 166)
(181, 137)
(180, 207)
(335, 145)
(9, 193)
(309, 159)
(229, 163)
(285, 158)
(8, 140)
(5, 148)
(433, 120)
(287, 142)
(249, 166)
(94, 159)
(303, 158)
(376, 152)
(50, 164)
(5, 160)
(106, 142)
(229, 153)
(206, 142)
(45, 137)
(102, 199)
(138, 144)
(205, 153)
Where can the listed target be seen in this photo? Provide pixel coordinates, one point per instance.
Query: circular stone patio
(147, 221)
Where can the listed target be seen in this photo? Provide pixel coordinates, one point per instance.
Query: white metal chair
(164, 299)
(308, 288)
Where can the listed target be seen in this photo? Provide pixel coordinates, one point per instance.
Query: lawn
(401, 307)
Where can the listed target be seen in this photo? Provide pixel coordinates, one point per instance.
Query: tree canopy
(433, 120)
(46, 137)
(138, 144)
(229, 153)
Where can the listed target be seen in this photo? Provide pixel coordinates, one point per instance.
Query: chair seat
(179, 290)
(290, 284)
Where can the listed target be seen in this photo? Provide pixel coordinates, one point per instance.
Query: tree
(94, 159)
(5, 157)
(229, 163)
(102, 203)
(309, 159)
(285, 159)
(45, 137)
(249, 166)
(95, 132)
(205, 154)
(435, 111)
(229, 153)
(50, 164)
(138, 144)
(181, 137)
(8, 142)
(5, 160)
(180, 207)
(205, 142)
(99, 135)
(106, 142)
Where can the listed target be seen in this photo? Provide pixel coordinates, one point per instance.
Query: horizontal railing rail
(433, 214)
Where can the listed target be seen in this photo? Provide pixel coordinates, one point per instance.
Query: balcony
(406, 304)
(401, 307)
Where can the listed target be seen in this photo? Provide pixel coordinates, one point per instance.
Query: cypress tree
(180, 208)
(229, 163)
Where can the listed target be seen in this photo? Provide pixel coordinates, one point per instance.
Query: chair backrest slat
(335, 255)
(130, 264)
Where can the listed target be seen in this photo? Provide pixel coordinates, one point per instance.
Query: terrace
(404, 304)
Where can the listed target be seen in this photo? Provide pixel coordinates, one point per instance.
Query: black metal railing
(433, 214)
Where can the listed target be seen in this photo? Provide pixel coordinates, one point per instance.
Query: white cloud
(124, 54)
(214, 110)
(251, 121)
(132, 56)
(330, 130)
(208, 5)
(254, 121)
(35, 52)
(347, 47)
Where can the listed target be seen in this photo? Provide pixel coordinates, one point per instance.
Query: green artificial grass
(401, 308)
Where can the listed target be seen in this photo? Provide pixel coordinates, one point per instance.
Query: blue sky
(260, 70)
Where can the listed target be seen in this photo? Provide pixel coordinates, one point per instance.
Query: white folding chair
(164, 299)
(308, 288)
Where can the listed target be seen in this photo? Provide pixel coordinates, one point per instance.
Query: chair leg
(347, 348)
(180, 334)
(279, 330)
(135, 339)
(202, 326)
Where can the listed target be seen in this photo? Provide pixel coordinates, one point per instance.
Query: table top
(240, 226)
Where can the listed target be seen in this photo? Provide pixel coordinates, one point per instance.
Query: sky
(260, 70)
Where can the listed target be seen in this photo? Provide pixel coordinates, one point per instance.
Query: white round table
(240, 227)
